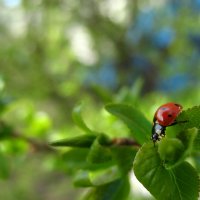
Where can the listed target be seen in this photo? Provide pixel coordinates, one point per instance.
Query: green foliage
(56, 53)
(165, 173)
(74, 159)
(102, 162)
(78, 120)
(162, 169)
(116, 190)
(97, 175)
(99, 153)
(192, 116)
(79, 141)
(170, 150)
(140, 127)
(124, 156)
(180, 182)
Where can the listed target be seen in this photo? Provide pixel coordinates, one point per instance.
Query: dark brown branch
(125, 142)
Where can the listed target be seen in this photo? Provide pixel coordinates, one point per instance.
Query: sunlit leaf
(170, 150)
(190, 139)
(140, 127)
(192, 115)
(99, 151)
(124, 156)
(117, 190)
(74, 159)
(97, 175)
(180, 182)
(78, 120)
(84, 141)
(82, 179)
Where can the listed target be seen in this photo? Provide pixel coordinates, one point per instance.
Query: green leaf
(196, 143)
(102, 92)
(192, 115)
(124, 156)
(180, 182)
(84, 141)
(176, 151)
(186, 180)
(103, 176)
(117, 190)
(190, 140)
(97, 175)
(197, 162)
(73, 160)
(99, 151)
(82, 179)
(127, 94)
(78, 120)
(140, 127)
(170, 150)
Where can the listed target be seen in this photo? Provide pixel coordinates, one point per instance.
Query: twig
(125, 142)
(36, 145)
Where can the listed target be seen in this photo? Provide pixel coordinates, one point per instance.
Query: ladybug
(165, 116)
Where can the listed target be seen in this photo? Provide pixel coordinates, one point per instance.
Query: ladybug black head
(158, 131)
(155, 137)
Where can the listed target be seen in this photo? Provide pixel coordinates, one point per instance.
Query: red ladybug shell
(167, 113)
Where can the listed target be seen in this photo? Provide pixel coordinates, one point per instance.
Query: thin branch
(125, 142)
(35, 144)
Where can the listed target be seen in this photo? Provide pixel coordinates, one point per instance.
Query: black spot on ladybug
(169, 115)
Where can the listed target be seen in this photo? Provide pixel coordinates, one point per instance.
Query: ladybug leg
(178, 122)
(162, 134)
(159, 137)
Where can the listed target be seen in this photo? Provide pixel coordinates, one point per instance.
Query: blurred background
(55, 54)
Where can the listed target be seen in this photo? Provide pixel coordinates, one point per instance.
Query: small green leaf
(170, 150)
(191, 142)
(189, 138)
(97, 175)
(187, 182)
(99, 152)
(74, 159)
(82, 179)
(192, 115)
(117, 190)
(180, 182)
(140, 127)
(197, 162)
(78, 120)
(196, 143)
(102, 92)
(84, 141)
(104, 176)
(124, 156)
